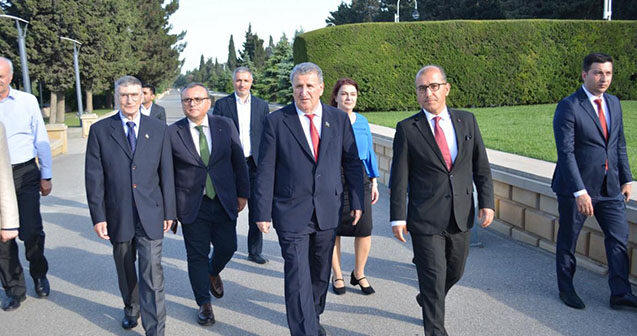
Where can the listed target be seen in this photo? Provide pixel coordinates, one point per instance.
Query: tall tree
(253, 50)
(232, 55)
(269, 49)
(274, 84)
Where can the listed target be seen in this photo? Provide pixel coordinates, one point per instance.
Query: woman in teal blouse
(344, 97)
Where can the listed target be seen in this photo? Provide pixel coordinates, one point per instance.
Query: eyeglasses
(197, 101)
(433, 87)
(131, 96)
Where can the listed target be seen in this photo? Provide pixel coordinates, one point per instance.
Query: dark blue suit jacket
(115, 178)
(291, 186)
(227, 168)
(582, 150)
(227, 107)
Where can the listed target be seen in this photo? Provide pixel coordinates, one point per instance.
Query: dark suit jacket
(227, 168)
(291, 186)
(115, 178)
(418, 169)
(158, 112)
(227, 107)
(582, 150)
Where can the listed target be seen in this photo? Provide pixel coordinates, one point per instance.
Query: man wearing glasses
(438, 154)
(130, 192)
(211, 186)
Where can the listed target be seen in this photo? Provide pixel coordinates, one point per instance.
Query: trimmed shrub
(488, 63)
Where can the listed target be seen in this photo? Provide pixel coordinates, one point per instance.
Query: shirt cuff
(398, 222)
(580, 193)
(45, 173)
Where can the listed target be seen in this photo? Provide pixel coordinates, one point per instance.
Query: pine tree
(232, 55)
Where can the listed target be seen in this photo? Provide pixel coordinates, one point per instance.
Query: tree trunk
(109, 100)
(89, 101)
(60, 108)
(53, 113)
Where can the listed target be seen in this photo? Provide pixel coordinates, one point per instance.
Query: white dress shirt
(146, 111)
(243, 113)
(305, 123)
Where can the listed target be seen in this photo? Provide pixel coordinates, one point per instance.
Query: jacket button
(134, 167)
(134, 186)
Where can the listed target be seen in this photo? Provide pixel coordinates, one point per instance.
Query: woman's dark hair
(337, 86)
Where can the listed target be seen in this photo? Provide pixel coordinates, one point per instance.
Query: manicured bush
(488, 63)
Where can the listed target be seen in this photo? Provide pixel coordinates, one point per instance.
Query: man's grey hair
(241, 69)
(10, 64)
(126, 81)
(194, 84)
(305, 68)
(427, 67)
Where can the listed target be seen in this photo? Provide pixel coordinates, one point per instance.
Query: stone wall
(526, 207)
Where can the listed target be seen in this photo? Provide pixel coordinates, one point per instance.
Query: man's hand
(356, 214)
(100, 229)
(626, 190)
(241, 203)
(167, 224)
(7, 235)
(398, 232)
(45, 187)
(585, 205)
(485, 215)
(264, 226)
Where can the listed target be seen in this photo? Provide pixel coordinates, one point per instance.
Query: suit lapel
(188, 141)
(422, 124)
(119, 135)
(586, 105)
(327, 131)
(233, 110)
(459, 129)
(613, 114)
(215, 132)
(143, 134)
(291, 120)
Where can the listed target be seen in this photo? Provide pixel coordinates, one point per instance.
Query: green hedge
(489, 63)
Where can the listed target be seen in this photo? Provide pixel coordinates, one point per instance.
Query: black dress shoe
(322, 331)
(624, 301)
(13, 302)
(366, 290)
(129, 322)
(216, 286)
(338, 290)
(572, 300)
(42, 288)
(205, 316)
(419, 299)
(257, 259)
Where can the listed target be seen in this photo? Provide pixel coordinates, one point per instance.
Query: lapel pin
(146, 135)
(327, 124)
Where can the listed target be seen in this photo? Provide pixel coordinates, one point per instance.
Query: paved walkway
(508, 288)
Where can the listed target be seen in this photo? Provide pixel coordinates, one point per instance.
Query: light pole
(23, 52)
(76, 64)
(414, 14)
(608, 11)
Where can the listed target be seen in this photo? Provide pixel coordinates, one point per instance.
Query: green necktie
(205, 157)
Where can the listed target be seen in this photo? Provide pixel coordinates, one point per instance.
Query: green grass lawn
(524, 130)
(71, 119)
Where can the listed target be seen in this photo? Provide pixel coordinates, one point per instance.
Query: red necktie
(602, 121)
(442, 142)
(314, 135)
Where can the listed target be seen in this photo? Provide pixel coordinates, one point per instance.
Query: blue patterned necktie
(132, 140)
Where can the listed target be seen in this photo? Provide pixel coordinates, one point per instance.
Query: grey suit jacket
(158, 111)
(9, 218)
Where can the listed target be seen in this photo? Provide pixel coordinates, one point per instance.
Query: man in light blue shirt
(27, 139)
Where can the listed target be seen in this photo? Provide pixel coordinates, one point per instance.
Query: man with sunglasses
(211, 186)
(438, 154)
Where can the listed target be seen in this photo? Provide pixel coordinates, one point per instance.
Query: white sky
(209, 23)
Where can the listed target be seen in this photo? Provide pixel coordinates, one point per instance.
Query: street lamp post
(608, 4)
(414, 14)
(22, 47)
(76, 64)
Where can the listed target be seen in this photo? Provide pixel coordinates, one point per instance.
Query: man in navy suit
(149, 108)
(212, 186)
(130, 191)
(592, 177)
(247, 112)
(303, 149)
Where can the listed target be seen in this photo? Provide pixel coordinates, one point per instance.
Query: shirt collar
(204, 123)
(318, 111)
(149, 107)
(591, 97)
(444, 115)
(238, 100)
(11, 94)
(136, 120)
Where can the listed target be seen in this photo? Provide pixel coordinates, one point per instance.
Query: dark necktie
(442, 142)
(205, 157)
(314, 135)
(132, 140)
(602, 121)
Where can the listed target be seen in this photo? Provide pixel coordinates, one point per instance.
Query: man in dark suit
(438, 154)
(247, 112)
(212, 186)
(303, 149)
(592, 177)
(149, 108)
(130, 191)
